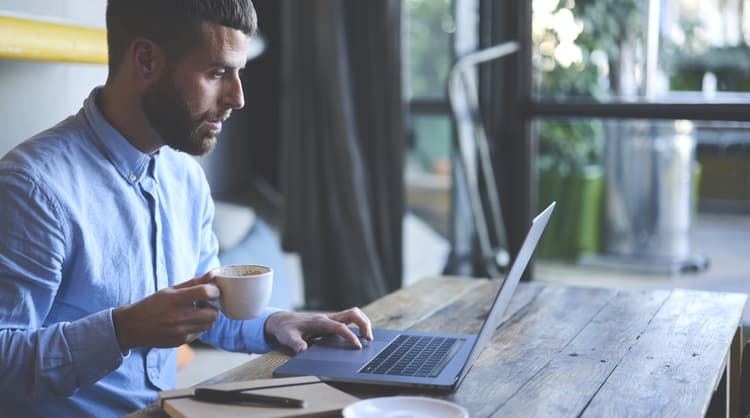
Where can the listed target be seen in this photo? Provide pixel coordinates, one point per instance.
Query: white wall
(37, 95)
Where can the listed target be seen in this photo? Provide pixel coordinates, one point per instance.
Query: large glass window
(620, 88)
(656, 196)
(665, 203)
(641, 49)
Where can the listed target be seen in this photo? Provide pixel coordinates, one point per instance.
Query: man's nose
(234, 95)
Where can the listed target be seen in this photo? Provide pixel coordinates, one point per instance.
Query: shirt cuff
(246, 336)
(254, 333)
(94, 347)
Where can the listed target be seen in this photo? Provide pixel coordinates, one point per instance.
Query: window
(602, 74)
(428, 38)
(639, 111)
(608, 50)
(428, 33)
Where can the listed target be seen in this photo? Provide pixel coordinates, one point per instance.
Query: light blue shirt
(89, 223)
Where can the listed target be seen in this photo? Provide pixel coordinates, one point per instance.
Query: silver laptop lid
(508, 287)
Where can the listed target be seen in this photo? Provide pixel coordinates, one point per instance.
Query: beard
(168, 111)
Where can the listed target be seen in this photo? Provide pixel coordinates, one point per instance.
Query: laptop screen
(508, 287)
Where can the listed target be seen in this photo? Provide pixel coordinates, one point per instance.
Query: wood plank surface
(407, 306)
(524, 345)
(466, 314)
(676, 362)
(576, 372)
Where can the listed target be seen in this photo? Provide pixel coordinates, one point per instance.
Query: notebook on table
(427, 361)
(321, 400)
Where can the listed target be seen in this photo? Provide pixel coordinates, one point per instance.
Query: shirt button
(132, 177)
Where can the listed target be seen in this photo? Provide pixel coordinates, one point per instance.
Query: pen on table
(223, 396)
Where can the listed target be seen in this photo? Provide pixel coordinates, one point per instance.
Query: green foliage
(564, 83)
(607, 26)
(570, 144)
(610, 23)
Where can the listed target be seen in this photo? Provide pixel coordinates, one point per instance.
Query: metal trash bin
(648, 196)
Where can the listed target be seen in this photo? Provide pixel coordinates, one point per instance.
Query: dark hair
(173, 24)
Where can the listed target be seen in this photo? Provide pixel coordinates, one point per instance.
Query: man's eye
(218, 74)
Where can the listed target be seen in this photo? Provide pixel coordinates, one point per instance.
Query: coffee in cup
(245, 289)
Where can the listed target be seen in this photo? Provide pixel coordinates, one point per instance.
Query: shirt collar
(131, 163)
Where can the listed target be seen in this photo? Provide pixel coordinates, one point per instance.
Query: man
(103, 215)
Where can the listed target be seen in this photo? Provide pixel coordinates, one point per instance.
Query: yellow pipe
(26, 39)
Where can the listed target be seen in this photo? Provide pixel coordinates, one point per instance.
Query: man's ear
(148, 58)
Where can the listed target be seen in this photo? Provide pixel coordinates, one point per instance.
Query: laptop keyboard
(411, 355)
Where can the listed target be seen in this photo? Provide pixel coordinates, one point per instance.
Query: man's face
(197, 93)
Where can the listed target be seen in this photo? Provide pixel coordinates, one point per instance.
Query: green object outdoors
(697, 174)
(574, 230)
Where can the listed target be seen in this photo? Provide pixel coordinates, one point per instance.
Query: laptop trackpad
(337, 348)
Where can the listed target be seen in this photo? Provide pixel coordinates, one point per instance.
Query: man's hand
(169, 317)
(293, 328)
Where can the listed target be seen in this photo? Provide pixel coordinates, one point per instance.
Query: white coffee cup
(245, 289)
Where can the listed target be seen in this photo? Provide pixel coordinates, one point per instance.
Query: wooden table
(570, 351)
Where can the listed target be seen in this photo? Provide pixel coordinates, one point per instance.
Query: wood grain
(466, 313)
(677, 361)
(407, 306)
(586, 362)
(524, 345)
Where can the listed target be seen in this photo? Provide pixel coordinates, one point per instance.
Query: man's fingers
(201, 315)
(291, 328)
(198, 293)
(195, 323)
(356, 316)
(294, 341)
(344, 331)
(298, 345)
(205, 279)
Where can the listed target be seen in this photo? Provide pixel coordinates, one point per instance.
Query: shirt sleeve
(42, 361)
(246, 336)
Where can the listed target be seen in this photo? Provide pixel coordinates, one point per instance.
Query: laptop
(425, 361)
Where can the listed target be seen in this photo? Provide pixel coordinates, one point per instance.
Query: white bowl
(404, 407)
